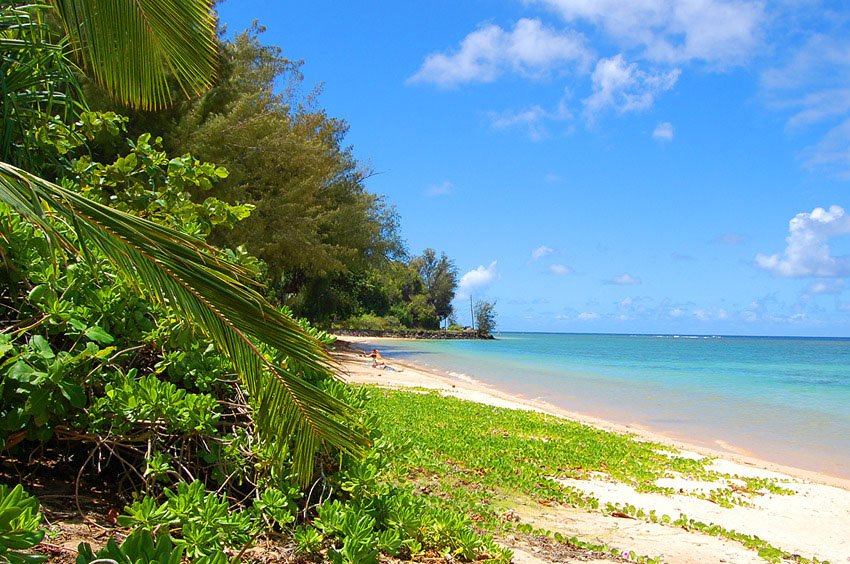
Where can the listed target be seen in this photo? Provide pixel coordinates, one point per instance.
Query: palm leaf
(34, 78)
(175, 269)
(133, 47)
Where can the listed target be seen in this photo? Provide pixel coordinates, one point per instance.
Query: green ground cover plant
(481, 459)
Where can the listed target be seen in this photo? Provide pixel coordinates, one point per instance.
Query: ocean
(782, 399)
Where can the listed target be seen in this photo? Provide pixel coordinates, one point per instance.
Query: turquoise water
(786, 400)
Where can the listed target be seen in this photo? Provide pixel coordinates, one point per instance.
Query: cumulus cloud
(703, 314)
(476, 280)
(441, 189)
(541, 251)
(588, 316)
(530, 49)
(625, 280)
(560, 269)
(807, 252)
(663, 131)
(719, 32)
(624, 87)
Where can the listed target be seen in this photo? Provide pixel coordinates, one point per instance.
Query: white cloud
(442, 189)
(677, 312)
(709, 314)
(832, 152)
(626, 88)
(625, 280)
(816, 107)
(815, 62)
(663, 131)
(814, 86)
(588, 316)
(530, 49)
(476, 280)
(560, 269)
(541, 252)
(719, 32)
(807, 252)
(822, 288)
(533, 119)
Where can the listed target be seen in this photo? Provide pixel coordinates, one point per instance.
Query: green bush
(370, 322)
(20, 525)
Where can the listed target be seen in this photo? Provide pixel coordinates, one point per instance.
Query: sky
(601, 166)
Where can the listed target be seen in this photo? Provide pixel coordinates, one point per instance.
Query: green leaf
(37, 404)
(99, 335)
(7, 514)
(24, 373)
(41, 347)
(21, 540)
(37, 293)
(105, 352)
(74, 393)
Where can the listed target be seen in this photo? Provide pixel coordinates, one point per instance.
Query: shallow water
(786, 400)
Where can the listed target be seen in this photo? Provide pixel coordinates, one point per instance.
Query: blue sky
(651, 166)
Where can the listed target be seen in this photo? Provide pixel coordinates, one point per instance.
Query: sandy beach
(812, 523)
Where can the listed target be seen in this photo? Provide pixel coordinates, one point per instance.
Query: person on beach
(379, 362)
(376, 356)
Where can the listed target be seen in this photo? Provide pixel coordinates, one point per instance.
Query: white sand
(813, 523)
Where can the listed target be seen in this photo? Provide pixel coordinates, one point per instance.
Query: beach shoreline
(357, 369)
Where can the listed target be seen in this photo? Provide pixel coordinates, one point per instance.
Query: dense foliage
(141, 350)
(332, 250)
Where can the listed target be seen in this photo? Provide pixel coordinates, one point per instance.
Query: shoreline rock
(411, 334)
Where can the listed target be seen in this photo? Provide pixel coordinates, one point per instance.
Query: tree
(485, 318)
(314, 223)
(440, 278)
(166, 265)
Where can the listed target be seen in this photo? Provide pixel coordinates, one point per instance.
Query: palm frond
(175, 269)
(132, 47)
(37, 80)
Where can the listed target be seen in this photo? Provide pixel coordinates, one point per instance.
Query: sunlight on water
(783, 399)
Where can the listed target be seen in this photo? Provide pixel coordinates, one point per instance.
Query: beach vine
(482, 459)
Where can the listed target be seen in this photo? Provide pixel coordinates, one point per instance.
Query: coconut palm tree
(130, 47)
